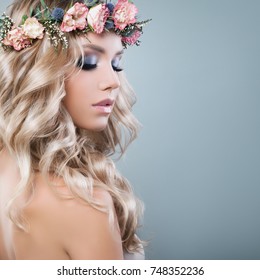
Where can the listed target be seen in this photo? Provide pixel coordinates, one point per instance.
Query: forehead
(108, 41)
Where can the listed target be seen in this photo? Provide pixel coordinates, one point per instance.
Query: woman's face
(91, 93)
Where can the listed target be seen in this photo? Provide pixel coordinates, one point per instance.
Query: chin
(101, 124)
(97, 128)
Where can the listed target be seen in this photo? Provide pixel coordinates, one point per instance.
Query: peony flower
(33, 29)
(97, 17)
(124, 14)
(132, 39)
(17, 39)
(75, 18)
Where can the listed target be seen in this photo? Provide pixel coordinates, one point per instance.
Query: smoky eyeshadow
(87, 62)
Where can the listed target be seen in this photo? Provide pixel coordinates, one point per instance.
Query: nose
(109, 79)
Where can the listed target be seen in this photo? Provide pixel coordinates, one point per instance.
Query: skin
(68, 229)
(89, 87)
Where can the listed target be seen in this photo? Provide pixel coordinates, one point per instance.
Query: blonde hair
(39, 132)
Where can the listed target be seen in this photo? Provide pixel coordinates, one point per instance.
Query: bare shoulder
(82, 231)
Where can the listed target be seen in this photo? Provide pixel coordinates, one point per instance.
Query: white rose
(33, 29)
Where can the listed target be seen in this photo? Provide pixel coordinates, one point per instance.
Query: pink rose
(33, 29)
(75, 18)
(132, 39)
(17, 39)
(97, 17)
(124, 14)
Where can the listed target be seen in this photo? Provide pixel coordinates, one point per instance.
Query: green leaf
(47, 14)
(31, 11)
(24, 18)
(91, 3)
(38, 13)
(43, 4)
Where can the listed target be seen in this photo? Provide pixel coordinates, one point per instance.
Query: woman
(65, 106)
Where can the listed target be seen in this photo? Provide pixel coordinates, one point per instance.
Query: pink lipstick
(104, 106)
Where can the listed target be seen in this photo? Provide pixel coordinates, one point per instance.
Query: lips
(105, 102)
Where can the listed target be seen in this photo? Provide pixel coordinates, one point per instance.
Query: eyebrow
(100, 49)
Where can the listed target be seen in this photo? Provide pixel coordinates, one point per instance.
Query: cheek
(81, 94)
(80, 90)
(78, 86)
(78, 99)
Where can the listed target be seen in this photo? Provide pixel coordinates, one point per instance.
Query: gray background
(196, 161)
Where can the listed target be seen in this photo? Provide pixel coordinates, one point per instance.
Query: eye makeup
(116, 64)
(90, 61)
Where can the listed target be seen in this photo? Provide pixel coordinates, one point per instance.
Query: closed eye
(117, 69)
(88, 62)
(116, 64)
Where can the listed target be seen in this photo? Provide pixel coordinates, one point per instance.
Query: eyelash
(117, 69)
(89, 67)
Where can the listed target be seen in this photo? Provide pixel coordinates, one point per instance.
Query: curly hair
(38, 131)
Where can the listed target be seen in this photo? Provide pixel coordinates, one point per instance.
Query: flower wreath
(90, 16)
